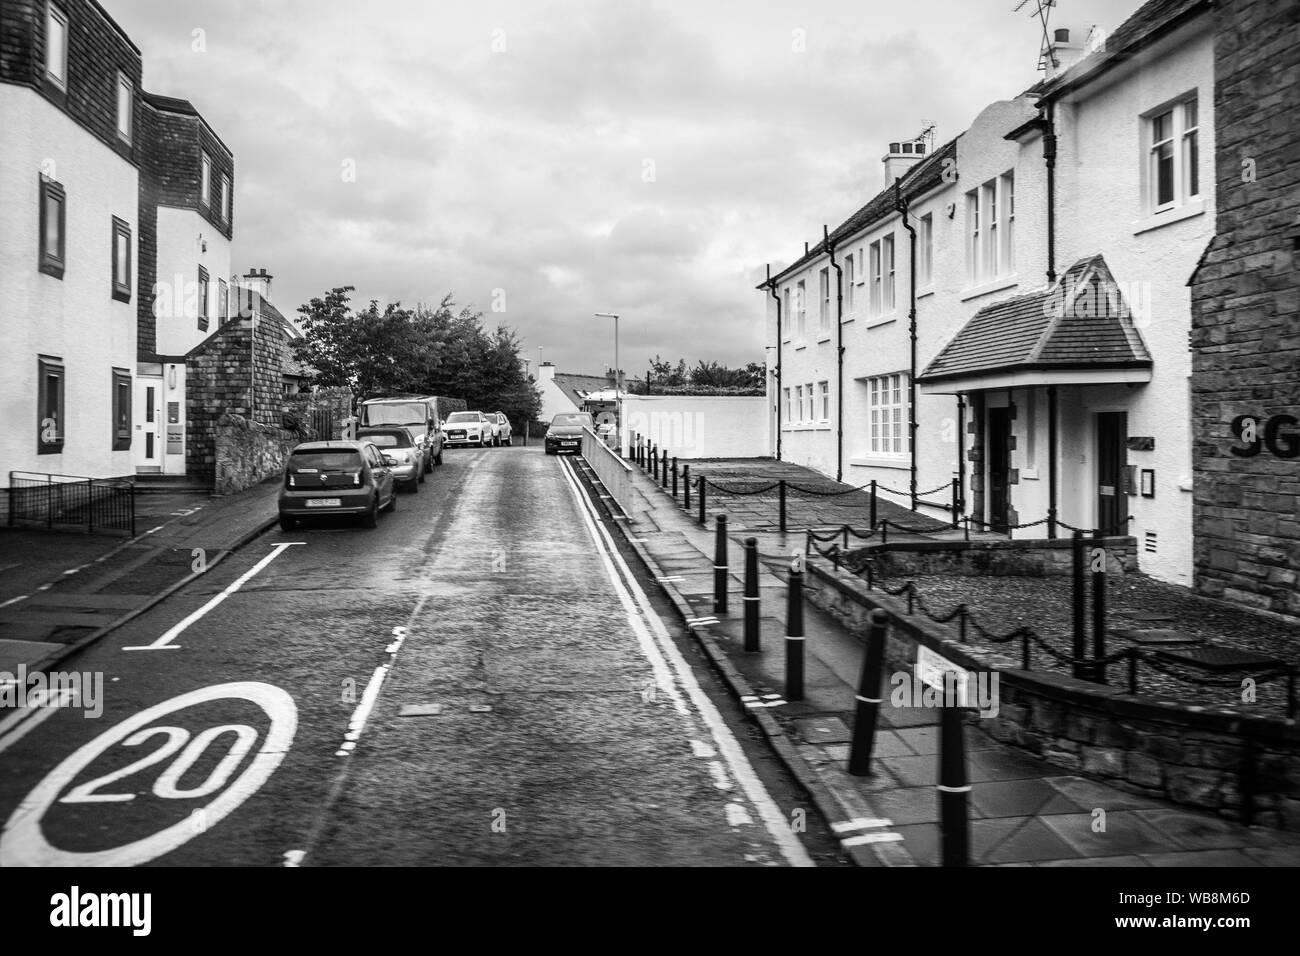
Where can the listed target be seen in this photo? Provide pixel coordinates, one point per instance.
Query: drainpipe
(901, 205)
(1051, 460)
(961, 451)
(839, 356)
(772, 288)
(1049, 157)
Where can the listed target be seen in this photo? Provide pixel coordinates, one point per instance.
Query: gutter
(839, 354)
(901, 205)
(771, 285)
(1049, 158)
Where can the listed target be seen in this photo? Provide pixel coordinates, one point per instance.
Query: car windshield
(403, 413)
(573, 418)
(325, 460)
(400, 439)
(463, 417)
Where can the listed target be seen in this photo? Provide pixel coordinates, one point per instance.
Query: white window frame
(1007, 254)
(225, 198)
(925, 264)
(990, 230)
(798, 397)
(788, 331)
(824, 393)
(887, 268)
(1183, 141)
(801, 309)
(874, 293)
(205, 180)
(789, 408)
(52, 14)
(887, 416)
(824, 316)
(849, 277)
(125, 109)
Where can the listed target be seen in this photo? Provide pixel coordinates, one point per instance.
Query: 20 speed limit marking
(23, 842)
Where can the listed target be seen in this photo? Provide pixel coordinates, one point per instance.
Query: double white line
(671, 669)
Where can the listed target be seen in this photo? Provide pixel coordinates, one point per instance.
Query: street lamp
(618, 380)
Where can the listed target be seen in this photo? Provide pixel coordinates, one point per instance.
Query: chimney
(546, 371)
(258, 281)
(902, 157)
(1070, 45)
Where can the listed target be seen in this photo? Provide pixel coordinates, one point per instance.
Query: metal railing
(68, 501)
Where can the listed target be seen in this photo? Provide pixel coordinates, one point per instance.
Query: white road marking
(738, 816)
(165, 642)
(23, 843)
(860, 823)
(357, 725)
(889, 837)
(26, 719)
(293, 857)
(719, 774)
(14, 600)
(665, 651)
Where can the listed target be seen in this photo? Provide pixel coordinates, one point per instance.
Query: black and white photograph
(652, 434)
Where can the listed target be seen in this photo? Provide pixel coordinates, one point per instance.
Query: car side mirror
(389, 461)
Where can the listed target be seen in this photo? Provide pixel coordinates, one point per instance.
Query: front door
(1112, 428)
(146, 443)
(999, 446)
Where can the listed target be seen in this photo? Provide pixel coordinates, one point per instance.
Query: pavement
(62, 590)
(1022, 810)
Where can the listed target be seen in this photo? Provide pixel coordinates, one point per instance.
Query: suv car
(468, 428)
(397, 442)
(336, 478)
(565, 433)
(505, 433)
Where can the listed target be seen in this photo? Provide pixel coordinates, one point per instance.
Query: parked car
(505, 433)
(397, 442)
(337, 478)
(468, 428)
(565, 433)
(420, 413)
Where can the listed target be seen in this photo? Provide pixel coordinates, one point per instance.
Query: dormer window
(56, 46)
(124, 104)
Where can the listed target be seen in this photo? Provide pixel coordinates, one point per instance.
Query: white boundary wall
(700, 426)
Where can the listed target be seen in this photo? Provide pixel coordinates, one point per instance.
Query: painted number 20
(167, 784)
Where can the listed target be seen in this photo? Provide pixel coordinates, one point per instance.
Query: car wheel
(392, 499)
(510, 442)
(288, 522)
(371, 518)
(414, 486)
(437, 459)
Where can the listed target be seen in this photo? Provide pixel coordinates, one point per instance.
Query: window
(56, 46)
(203, 299)
(824, 317)
(800, 308)
(52, 226)
(121, 260)
(223, 300)
(989, 214)
(887, 253)
(49, 406)
(887, 403)
(925, 251)
(225, 198)
(1174, 155)
(812, 402)
(849, 277)
(873, 301)
(205, 182)
(124, 105)
(121, 409)
(798, 397)
(824, 393)
(789, 316)
(789, 410)
(1008, 251)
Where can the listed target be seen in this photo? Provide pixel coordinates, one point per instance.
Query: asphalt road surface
(486, 679)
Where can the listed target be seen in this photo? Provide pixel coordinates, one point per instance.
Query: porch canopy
(1079, 331)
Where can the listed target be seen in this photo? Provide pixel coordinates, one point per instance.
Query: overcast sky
(645, 157)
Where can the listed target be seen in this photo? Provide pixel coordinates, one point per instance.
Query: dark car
(565, 433)
(398, 443)
(336, 478)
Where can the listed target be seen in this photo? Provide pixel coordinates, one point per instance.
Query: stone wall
(1215, 759)
(247, 452)
(1246, 318)
(1044, 557)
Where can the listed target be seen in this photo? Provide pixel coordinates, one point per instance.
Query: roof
(920, 178)
(1081, 322)
(1151, 21)
(577, 387)
(173, 104)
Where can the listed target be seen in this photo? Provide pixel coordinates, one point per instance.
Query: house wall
(700, 426)
(1246, 318)
(1101, 209)
(74, 318)
(180, 254)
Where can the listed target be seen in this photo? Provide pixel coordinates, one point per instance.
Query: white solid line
(23, 721)
(943, 789)
(860, 823)
(180, 628)
(15, 600)
(869, 700)
(889, 837)
(773, 819)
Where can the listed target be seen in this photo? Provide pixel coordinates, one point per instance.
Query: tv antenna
(1042, 10)
(927, 135)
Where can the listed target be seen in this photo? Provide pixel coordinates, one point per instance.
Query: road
(485, 679)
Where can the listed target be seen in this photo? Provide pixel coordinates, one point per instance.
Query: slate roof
(576, 387)
(1081, 322)
(920, 178)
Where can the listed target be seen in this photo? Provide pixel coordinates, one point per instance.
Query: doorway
(146, 444)
(998, 443)
(1112, 437)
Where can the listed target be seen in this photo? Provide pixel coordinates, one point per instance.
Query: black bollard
(954, 791)
(1099, 606)
(794, 636)
(956, 504)
(873, 504)
(654, 461)
(686, 487)
(780, 497)
(663, 469)
(1077, 597)
(751, 594)
(720, 567)
(868, 708)
(674, 477)
(703, 483)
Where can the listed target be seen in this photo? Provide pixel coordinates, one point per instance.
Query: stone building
(1246, 319)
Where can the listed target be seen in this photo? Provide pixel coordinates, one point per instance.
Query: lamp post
(618, 381)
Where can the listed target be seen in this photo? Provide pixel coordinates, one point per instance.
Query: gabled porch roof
(1079, 331)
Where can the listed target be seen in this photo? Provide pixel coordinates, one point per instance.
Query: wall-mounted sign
(1148, 483)
(1283, 444)
(175, 439)
(1142, 443)
(173, 413)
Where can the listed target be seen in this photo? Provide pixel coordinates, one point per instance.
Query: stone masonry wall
(1246, 317)
(1027, 558)
(247, 452)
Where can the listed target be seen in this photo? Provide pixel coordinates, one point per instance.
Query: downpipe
(839, 355)
(771, 285)
(900, 204)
